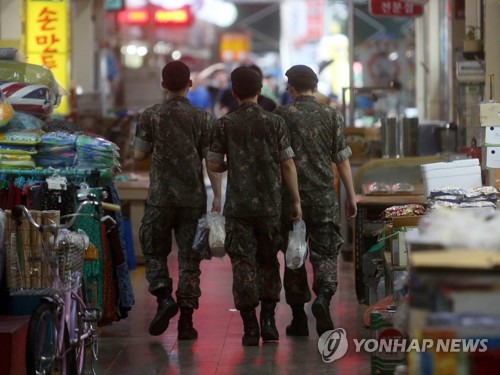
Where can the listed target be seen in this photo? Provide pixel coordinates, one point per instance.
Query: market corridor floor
(126, 348)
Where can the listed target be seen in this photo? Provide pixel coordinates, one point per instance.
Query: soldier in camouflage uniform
(259, 157)
(318, 140)
(177, 135)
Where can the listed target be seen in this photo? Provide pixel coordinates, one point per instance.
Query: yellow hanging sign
(47, 40)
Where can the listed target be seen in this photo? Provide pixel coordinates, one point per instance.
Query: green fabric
(92, 270)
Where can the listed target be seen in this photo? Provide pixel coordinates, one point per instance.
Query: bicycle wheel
(41, 342)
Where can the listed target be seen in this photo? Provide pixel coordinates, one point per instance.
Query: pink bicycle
(63, 327)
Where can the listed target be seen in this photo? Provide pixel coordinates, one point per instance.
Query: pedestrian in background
(230, 103)
(259, 160)
(176, 135)
(318, 140)
(198, 94)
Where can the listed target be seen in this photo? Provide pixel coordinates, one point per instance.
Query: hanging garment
(37, 197)
(92, 270)
(14, 196)
(62, 200)
(109, 314)
(119, 251)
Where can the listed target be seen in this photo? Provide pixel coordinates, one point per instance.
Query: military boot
(321, 311)
(167, 308)
(250, 327)
(298, 326)
(185, 329)
(268, 330)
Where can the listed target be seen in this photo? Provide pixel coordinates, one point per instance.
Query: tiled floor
(127, 348)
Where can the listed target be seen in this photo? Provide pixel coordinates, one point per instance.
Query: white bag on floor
(217, 234)
(296, 251)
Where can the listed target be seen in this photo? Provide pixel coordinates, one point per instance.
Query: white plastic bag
(217, 234)
(296, 251)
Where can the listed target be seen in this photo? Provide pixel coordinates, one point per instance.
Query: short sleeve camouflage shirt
(177, 134)
(317, 136)
(255, 141)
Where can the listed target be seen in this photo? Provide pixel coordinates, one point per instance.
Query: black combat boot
(321, 311)
(250, 327)
(185, 329)
(298, 326)
(167, 308)
(268, 330)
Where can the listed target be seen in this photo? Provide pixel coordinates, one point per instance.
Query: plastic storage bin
(463, 173)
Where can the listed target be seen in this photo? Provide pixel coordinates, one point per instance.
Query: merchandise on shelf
(105, 271)
(21, 72)
(30, 98)
(6, 111)
(62, 149)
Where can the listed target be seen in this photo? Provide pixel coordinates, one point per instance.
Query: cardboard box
(491, 157)
(396, 238)
(464, 173)
(404, 247)
(487, 135)
(406, 221)
(489, 114)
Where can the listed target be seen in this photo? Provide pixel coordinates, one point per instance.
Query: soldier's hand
(295, 211)
(216, 204)
(351, 208)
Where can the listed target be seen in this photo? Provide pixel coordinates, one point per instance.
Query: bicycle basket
(38, 265)
(71, 250)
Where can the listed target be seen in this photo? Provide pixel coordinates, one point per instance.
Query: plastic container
(446, 138)
(461, 173)
(389, 137)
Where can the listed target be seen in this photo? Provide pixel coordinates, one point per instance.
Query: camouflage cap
(301, 74)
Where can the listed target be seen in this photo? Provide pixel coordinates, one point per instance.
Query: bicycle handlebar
(19, 210)
(110, 206)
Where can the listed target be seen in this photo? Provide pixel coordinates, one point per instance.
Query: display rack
(99, 176)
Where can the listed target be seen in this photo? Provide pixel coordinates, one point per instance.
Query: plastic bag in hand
(217, 234)
(200, 243)
(296, 252)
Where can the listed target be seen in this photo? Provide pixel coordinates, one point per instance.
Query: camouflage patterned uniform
(177, 134)
(318, 139)
(255, 141)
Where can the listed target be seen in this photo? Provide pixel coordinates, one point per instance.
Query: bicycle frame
(64, 307)
(70, 310)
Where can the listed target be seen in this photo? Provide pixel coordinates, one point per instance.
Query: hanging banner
(395, 8)
(47, 41)
(315, 20)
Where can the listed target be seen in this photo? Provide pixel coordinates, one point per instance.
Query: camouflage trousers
(252, 245)
(156, 241)
(325, 241)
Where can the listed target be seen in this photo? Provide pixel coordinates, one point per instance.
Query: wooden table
(369, 209)
(135, 192)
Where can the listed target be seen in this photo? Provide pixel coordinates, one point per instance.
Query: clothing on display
(106, 278)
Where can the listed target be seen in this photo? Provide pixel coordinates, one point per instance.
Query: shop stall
(47, 164)
(432, 277)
